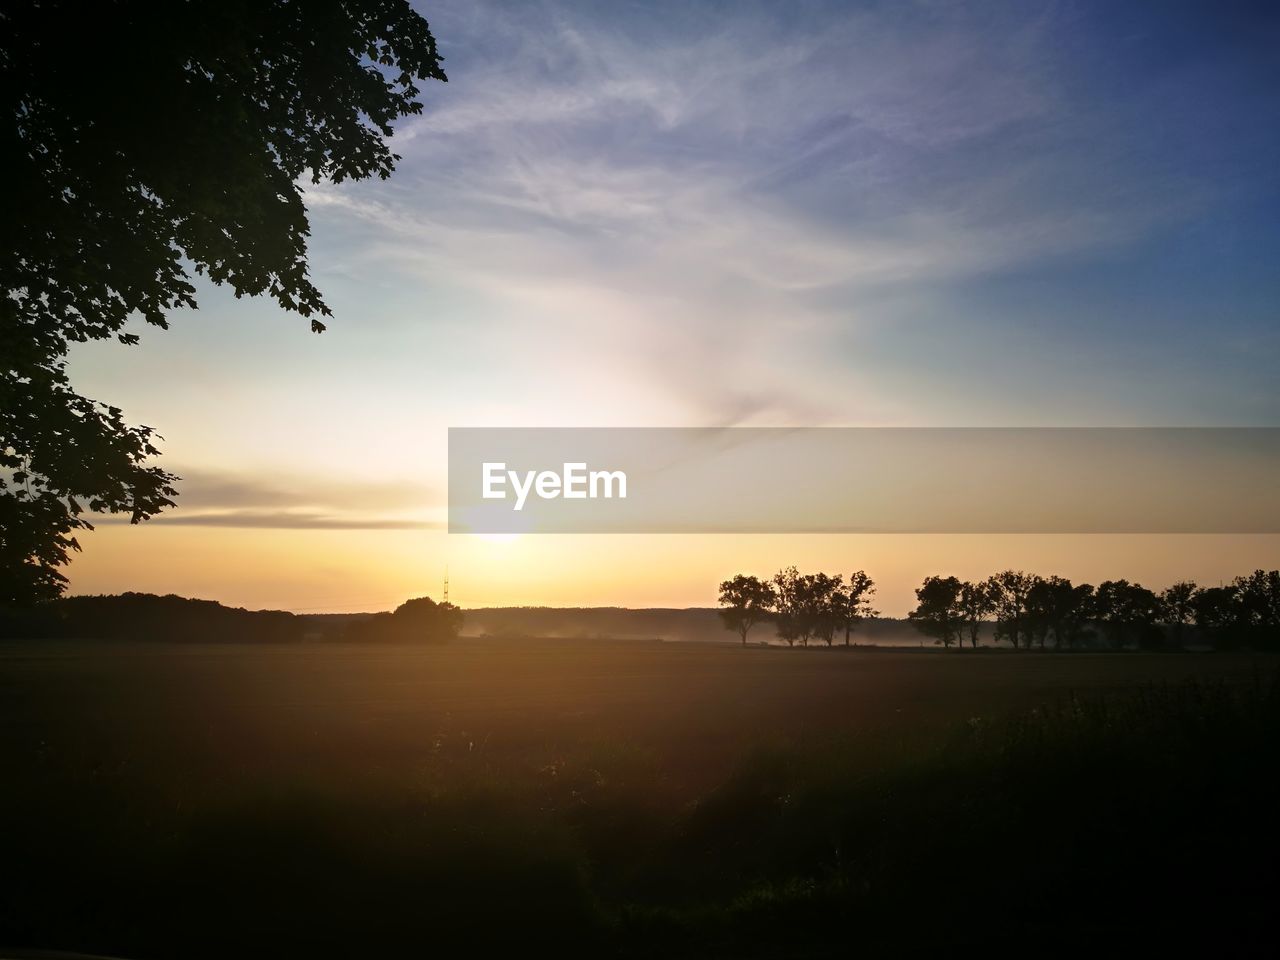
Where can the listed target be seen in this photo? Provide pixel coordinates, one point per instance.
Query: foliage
(1008, 592)
(789, 593)
(1245, 612)
(149, 140)
(855, 601)
(939, 612)
(1128, 613)
(1177, 608)
(816, 605)
(1055, 606)
(1028, 609)
(976, 604)
(1215, 613)
(748, 601)
(420, 620)
(1258, 601)
(825, 605)
(146, 616)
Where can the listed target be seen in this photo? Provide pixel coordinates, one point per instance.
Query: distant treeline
(1025, 610)
(146, 616)
(421, 620)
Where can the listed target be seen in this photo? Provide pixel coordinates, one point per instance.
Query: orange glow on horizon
(359, 570)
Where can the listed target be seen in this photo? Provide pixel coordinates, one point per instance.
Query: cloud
(278, 520)
(230, 489)
(699, 206)
(225, 499)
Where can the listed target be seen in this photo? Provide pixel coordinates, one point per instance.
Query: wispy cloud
(708, 216)
(215, 499)
(279, 520)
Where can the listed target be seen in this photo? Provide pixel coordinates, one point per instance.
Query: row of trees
(803, 606)
(1025, 610)
(1029, 610)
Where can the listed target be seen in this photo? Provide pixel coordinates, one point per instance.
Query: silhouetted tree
(807, 607)
(1008, 592)
(1127, 613)
(1055, 606)
(748, 600)
(975, 606)
(146, 139)
(1216, 613)
(938, 611)
(1075, 613)
(1177, 608)
(854, 600)
(1258, 600)
(825, 604)
(420, 620)
(788, 592)
(1038, 613)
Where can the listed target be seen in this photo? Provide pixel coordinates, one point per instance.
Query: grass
(629, 799)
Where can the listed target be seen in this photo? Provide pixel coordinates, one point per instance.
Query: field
(165, 800)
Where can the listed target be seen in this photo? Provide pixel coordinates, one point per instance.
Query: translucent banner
(865, 480)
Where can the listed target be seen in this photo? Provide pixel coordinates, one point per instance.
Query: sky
(717, 214)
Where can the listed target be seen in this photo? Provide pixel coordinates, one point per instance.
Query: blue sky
(848, 213)
(913, 213)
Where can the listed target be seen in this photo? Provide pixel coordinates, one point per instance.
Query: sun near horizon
(725, 217)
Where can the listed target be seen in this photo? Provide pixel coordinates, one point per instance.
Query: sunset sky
(909, 214)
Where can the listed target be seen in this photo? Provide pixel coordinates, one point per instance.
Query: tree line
(145, 616)
(1025, 610)
(802, 606)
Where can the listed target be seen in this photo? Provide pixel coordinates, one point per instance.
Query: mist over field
(701, 624)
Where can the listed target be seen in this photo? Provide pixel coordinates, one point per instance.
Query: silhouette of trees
(1054, 605)
(1074, 617)
(146, 140)
(748, 601)
(826, 605)
(1008, 593)
(1040, 601)
(788, 608)
(854, 600)
(1127, 613)
(1245, 612)
(939, 612)
(976, 604)
(802, 606)
(146, 616)
(1257, 601)
(420, 620)
(1026, 610)
(1177, 608)
(1215, 613)
(810, 593)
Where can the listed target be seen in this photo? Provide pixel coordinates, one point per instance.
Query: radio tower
(446, 585)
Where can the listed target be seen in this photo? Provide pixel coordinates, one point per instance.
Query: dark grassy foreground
(634, 799)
